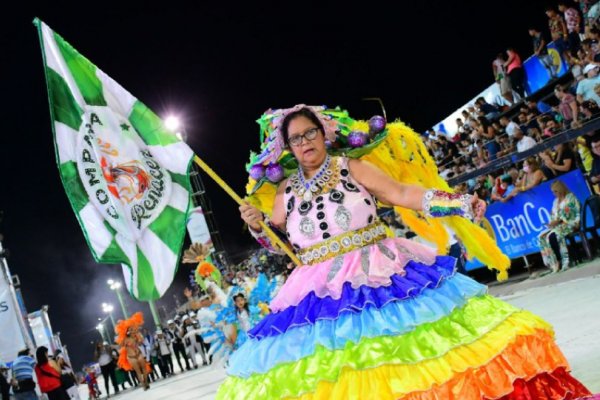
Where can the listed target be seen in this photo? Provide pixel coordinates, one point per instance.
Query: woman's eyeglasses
(310, 134)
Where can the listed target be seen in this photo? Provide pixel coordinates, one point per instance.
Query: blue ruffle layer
(312, 308)
(394, 318)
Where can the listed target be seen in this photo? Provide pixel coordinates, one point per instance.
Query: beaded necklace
(305, 188)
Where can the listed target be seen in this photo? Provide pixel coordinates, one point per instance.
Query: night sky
(220, 67)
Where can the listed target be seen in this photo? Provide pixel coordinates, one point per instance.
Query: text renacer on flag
(125, 174)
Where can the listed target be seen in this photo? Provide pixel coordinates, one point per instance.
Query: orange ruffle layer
(527, 357)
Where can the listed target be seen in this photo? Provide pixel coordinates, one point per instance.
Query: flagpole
(154, 313)
(274, 238)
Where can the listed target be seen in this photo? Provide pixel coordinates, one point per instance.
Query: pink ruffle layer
(380, 266)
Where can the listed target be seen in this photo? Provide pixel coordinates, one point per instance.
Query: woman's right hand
(252, 216)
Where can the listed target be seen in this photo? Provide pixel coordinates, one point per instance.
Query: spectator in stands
(532, 175)
(506, 145)
(592, 15)
(567, 106)
(576, 65)
(560, 163)
(431, 134)
(558, 30)
(498, 127)
(539, 50)
(472, 111)
(515, 71)
(523, 142)
(509, 125)
(450, 151)
(461, 129)
(535, 133)
(527, 121)
(489, 111)
(551, 128)
(584, 148)
(584, 8)
(563, 221)
(585, 88)
(589, 54)
(573, 21)
(466, 117)
(501, 78)
(488, 133)
(595, 171)
(503, 188)
(589, 109)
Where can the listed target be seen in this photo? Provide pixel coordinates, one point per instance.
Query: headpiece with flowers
(343, 135)
(198, 254)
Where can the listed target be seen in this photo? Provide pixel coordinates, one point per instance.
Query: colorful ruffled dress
(371, 317)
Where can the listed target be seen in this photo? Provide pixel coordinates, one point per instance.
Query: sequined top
(342, 206)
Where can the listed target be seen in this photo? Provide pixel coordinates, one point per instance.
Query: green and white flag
(126, 175)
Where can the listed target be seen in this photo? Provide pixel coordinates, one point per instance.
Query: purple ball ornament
(376, 124)
(357, 139)
(274, 172)
(257, 172)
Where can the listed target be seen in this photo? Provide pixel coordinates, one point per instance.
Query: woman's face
(309, 153)
(240, 302)
(557, 193)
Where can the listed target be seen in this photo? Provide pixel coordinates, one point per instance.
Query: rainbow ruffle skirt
(428, 334)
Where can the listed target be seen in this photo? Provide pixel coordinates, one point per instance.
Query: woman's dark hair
(41, 354)
(560, 88)
(485, 123)
(237, 296)
(303, 112)
(591, 106)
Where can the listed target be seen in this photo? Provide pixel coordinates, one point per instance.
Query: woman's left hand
(479, 207)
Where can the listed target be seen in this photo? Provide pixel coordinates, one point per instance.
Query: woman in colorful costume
(371, 317)
(246, 310)
(130, 356)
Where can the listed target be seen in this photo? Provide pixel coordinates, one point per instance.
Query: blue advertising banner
(537, 75)
(518, 222)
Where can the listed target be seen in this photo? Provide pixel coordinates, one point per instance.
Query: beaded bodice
(341, 205)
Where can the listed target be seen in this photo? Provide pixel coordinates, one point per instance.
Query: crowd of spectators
(516, 123)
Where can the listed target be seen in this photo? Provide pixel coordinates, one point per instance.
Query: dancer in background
(130, 339)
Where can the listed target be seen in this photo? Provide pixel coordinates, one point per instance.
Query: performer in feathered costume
(371, 317)
(211, 326)
(130, 339)
(246, 307)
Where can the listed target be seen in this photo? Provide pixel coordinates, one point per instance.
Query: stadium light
(172, 123)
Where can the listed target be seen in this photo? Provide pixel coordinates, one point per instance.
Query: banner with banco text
(518, 222)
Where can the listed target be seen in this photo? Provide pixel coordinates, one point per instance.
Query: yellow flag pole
(274, 238)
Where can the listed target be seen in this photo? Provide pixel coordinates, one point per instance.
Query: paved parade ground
(569, 300)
